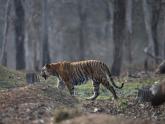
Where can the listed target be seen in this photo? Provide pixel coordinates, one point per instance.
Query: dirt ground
(32, 104)
(106, 119)
(37, 104)
(133, 110)
(42, 103)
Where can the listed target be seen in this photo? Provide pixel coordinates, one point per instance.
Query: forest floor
(43, 103)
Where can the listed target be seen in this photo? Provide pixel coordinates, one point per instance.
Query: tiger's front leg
(96, 87)
(70, 87)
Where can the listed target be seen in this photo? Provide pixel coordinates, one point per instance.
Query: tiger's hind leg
(110, 88)
(96, 87)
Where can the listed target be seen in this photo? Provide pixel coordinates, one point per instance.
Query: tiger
(78, 72)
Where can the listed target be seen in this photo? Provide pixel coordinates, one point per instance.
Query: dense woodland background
(128, 35)
(122, 33)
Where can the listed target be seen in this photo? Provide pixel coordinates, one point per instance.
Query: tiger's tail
(111, 79)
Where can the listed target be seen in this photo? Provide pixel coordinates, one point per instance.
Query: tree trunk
(164, 49)
(29, 36)
(45, 46)
(82, 15)
(3, 57)
(33, 35)
(156, 7)
(19, 34)
(147, 21)
(163, 38)
(151, 21)
(29, 46)
(118, 28)
(128, 29)
(32, 77)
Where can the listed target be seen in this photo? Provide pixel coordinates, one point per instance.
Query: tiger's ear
(47, 66)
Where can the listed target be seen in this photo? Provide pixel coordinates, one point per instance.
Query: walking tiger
(74, 73)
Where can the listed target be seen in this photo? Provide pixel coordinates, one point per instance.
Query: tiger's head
(45, 71)
(50, 70)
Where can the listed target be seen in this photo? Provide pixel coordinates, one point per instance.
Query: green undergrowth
(129, 91)
(86, 90)
(11, 78)
(130, 88)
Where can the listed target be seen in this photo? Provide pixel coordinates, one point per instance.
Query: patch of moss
(11, 78)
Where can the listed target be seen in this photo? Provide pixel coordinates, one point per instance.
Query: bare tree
(164, 50)
(156, 7)
(38, 27)
(151, 19)
(118, 28)
(32, 34)
(3, 57)
(29, 41)
(45, 51)
(82, 15)
(162, 42)
(128, 29)
(19, 34)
